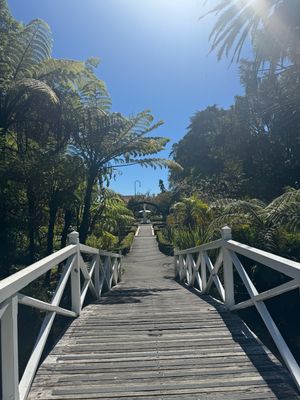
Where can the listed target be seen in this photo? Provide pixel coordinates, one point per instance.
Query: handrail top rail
(19, 280)
(203, 247)
(278, 263)
(237, 246)
(87, 249)
(109, 254)
(283, 265)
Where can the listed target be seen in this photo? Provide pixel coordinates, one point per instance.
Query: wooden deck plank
(151, 338)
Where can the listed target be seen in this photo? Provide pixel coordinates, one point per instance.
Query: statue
(145, 213)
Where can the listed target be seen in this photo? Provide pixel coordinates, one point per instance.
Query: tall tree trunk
(5, 245)
(53, 207)
(64, 235)
(94, 220)
(31, 222)
(85, 222)
(67, 223)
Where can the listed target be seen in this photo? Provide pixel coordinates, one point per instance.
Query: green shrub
(244, 233)
(185, 238)
(127, 243)
(106, 241)
(164, 245)
(289, 244)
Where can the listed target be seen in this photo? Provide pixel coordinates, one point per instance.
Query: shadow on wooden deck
(265, 361)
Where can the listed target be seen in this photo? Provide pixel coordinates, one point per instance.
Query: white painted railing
(195, 265)
(104, 268)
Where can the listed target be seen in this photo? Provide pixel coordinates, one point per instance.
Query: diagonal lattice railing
(105, 269)
(194, 265)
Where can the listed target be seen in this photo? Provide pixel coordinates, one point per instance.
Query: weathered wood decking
(151, 338)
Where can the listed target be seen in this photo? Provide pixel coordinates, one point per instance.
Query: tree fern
(30, 87)
(275, 22)
(23, 48)
(106, 141)
(285, 210)
(28, 47)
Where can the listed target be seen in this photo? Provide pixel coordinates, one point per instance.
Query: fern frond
(32, 87)
(237, 21)
(30, 47)
(285, 210)
(64, 69)
(150, 162)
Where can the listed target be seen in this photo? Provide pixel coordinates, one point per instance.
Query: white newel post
(181, 261)
(9, 351)
(120, 266)
(97, 276)
(75, 275)
(203, 272)
(227, 269)
(175, 266)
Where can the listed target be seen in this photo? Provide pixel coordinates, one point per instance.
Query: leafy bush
(289, 244)
(184, 238)
(164, 245)
(127, 243)
(106, 241)
(286, 244)
(245, 233)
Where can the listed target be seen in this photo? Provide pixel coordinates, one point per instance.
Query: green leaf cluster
(60, 146)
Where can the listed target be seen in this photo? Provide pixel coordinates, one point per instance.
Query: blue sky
(154, 54)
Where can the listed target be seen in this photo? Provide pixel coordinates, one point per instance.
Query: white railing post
(75, 275)
(97, 276)
(175, 266)
(120, 267)
(9, 351)
(181, 263)
(227, 269)
(203, 272)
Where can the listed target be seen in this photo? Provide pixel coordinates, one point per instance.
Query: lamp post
(135, 182)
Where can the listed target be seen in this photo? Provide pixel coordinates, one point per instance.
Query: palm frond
(31, 46)
(32, 87)
(150, 162)
(238, 20)
(65, 70)
(285, 210)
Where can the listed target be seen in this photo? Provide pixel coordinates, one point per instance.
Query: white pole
(75, 275)
(227, 269)
(9, 351)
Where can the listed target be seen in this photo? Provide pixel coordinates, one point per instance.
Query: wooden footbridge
(150, 337)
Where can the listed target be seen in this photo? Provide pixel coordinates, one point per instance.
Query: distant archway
(140, 204)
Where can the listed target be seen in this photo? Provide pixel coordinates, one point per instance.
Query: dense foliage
(244, 162)
(273, 27)
(60, 144)
(251, 149)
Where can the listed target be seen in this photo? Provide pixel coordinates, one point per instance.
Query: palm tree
(110, 213)
(22, 49)
(191, 212)
(107, 141)
(272, 25)
(30, 79)
(188, 222)
(35, 92)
